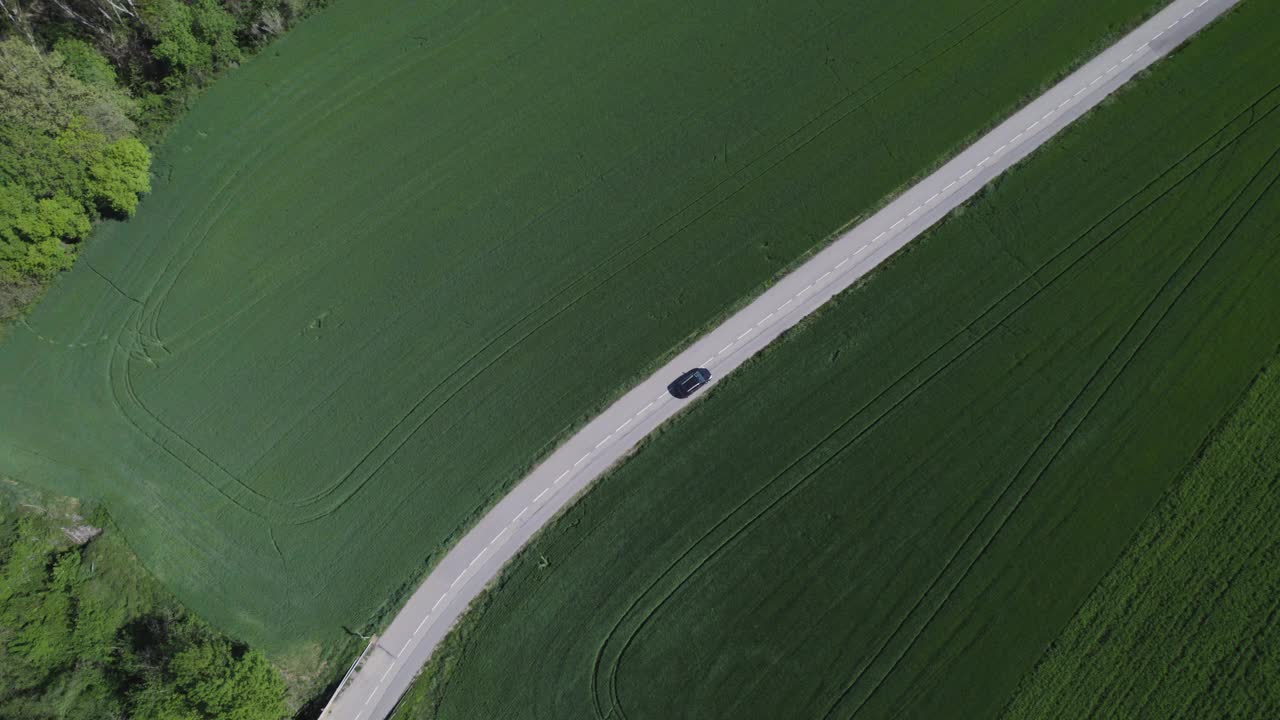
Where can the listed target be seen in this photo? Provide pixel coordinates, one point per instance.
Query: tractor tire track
(1053, 454)
(980, 336)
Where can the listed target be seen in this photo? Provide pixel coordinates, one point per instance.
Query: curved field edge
(530, 595)
(216, 348)
(396, 598)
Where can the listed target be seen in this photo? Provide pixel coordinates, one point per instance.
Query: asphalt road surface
(390, 664)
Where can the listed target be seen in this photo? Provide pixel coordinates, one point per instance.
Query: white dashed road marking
(502, 536)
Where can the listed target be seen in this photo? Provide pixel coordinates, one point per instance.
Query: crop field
(894, 511)
(388, 262)
(1187, 623)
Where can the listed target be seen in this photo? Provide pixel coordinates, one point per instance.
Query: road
(389, 666)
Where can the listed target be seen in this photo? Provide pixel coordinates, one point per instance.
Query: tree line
(85, 634)
(86, 87)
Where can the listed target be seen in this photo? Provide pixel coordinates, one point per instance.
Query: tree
(67, 154)
(168, 25)
(60, 217)
(85, 63)
(40, 260)
(41, 95)
(35, 607)
(193, 40)
(217, 29)
(118, 175)
(71, 648)
(31, 232)
(208, 679)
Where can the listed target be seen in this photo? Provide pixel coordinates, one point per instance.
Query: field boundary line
(478, 557)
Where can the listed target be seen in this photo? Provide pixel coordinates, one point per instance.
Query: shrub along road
(389, 667)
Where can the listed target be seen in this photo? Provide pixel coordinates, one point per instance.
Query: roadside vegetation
(86, 633)
(87, 89)
(895, 510)
(86, 86)
(390, 262)
(1187, 622)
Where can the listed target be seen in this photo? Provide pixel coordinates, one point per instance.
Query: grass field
(390, 261)
(1185, 624)
(894, 511)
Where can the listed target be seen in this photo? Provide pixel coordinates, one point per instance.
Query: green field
(1187, 623)
(345, 318)
(893, 512)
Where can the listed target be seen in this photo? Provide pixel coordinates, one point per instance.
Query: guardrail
(373, 640)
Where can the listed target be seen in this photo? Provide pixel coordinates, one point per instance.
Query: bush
(72, 645)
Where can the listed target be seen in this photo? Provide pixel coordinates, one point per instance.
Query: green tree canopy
(40, 94)
(193, 40)
(67, 154)
(207, 678)
(80, 82)
(118, 175)
(71, 647)
(85, 63)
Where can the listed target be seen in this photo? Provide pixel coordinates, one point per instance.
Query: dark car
(688, 383)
